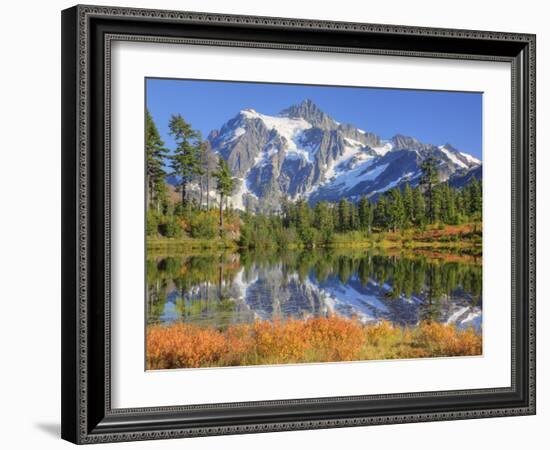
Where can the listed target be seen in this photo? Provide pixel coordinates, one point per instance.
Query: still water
(219, 289)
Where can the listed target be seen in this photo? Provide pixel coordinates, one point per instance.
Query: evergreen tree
(203, 173)
(354, 223)
(408, 203)
(396, 210)
(323, 221)
(475, 200)
(428, 181)
(448, 207)
(335, 216)
(344, 215)
(436, 203)
(185, 161)
(155, 152)
(459, 205)
(225, 185)
(287, 210)
(303, 216)
(419, 207)
(365, 213)
(380, 212)
(370, 216)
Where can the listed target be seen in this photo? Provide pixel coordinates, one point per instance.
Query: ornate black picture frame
(87, 34)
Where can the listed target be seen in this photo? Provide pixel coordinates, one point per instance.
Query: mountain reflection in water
(219, 289)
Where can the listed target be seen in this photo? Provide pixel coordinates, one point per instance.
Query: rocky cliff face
(305, 153)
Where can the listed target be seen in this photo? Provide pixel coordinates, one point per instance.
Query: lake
(218, 289)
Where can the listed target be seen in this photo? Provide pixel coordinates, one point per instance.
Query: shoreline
(435, 243)
(453, 236)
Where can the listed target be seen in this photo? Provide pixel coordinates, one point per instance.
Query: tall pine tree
(365, 213)
(408, 203)
(419, 207)
(396, 209)
(155, 152)
(344, 215)
(323, 220)
(225, 185)
(428, 181)
(474, 194)
(380, 212)
(185, 160)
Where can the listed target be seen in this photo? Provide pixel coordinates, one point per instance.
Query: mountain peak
(449, 147)
(305, 106)
(248, 113)
(403, 138)
(310, 112)
(402, 142)
(303, 153)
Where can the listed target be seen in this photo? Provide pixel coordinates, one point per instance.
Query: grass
(435, 240)
(465, 239)
(163, 244)
(301, 341)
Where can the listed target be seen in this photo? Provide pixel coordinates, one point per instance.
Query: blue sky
(435, 117)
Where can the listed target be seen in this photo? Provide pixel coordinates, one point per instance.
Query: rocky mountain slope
(305, 153)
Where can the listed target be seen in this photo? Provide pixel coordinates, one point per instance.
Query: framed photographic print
(279, 224)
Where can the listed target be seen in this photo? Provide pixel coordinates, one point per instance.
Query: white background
(30, 225)
(133, 387)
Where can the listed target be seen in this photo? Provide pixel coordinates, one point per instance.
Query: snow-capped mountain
(305, 153)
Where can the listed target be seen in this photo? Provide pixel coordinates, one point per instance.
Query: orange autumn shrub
(320, 339)
(447, 340)
(280, 341)
(336, 338)
(239, 344)
(182, 345)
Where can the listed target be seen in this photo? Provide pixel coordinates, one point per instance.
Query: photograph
(283, 220)
(294, 224)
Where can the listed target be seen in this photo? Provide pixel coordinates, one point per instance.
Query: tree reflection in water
(218, 289)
